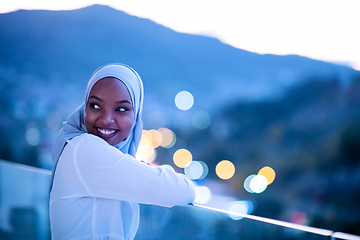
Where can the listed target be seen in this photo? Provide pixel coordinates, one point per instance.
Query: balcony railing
(24, 195)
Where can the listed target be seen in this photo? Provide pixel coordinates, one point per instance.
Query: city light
(156, 137)
(146, 151)
(184, 100)
(196, 170)
(258, 183)
(225, 169)
(32, 135)
(269, 173)
(168, 137)
(182, 158)
(240, 207)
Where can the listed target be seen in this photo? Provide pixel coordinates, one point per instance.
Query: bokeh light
(196, 170)
(146, 138)
(182, 158)
(298, 218)
(168, 137)
(225, 169)
(258, 184)
(146, 151)
(203, 194)
(33, 136)
(240, 207)
(247, 183)
(205, 170)
(250, 206)
(269, 173)
(201, 120)
(184, 100)
(156, 137)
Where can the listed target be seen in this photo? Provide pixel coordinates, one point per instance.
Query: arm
(108, 173)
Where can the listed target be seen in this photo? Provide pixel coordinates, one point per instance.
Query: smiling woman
(97, 184)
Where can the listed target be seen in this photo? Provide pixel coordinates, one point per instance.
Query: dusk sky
(322, 29)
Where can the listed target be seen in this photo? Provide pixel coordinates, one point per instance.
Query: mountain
(47, 57)
(65, 47)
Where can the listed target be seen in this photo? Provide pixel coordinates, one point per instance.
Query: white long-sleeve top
(97, 188)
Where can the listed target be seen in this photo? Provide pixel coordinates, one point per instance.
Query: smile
(105, 132)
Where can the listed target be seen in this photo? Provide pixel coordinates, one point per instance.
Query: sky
(327, 30)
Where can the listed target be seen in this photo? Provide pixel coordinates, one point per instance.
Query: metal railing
(24, 213)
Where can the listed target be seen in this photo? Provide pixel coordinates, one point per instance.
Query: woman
(97, 183)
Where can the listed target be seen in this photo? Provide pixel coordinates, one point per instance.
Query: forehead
(110, 88)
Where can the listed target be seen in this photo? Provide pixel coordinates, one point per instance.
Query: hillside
(67, 46)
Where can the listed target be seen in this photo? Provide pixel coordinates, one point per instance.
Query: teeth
(106, 132)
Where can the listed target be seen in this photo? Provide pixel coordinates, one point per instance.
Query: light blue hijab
(75, 125)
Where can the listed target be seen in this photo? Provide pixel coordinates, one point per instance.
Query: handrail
(318, 231)
(26, 167)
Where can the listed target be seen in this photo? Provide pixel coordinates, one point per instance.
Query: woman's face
(109, 112)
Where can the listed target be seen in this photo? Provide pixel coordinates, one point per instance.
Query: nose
(106, 117)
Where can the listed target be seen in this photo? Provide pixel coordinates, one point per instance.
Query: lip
(101, 132)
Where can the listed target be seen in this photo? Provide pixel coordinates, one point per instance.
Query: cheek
(127, 122)
(89, 120)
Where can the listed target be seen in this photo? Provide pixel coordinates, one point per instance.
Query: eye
(94, 106)
(122, 109)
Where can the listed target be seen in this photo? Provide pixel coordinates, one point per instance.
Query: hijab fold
(75, 124)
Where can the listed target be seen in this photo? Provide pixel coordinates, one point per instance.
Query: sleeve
(108, 173)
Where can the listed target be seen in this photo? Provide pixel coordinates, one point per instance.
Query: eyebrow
(99, 99)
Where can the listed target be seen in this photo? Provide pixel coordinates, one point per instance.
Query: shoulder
(90, 146)
(88, 140)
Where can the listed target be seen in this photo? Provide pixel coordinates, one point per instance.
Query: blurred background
(276, 136)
